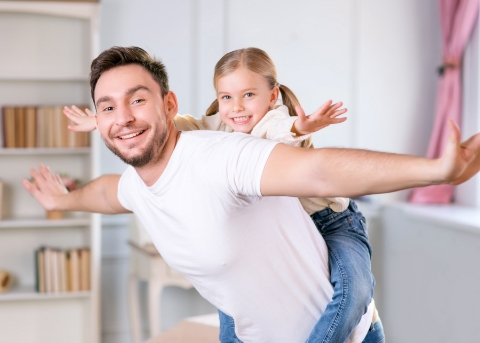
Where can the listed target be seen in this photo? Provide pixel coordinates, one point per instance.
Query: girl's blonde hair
(257, 61)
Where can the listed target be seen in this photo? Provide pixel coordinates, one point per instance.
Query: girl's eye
(248, 95)
(226, 97)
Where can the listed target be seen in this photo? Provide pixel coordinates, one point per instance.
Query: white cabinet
(46, 50)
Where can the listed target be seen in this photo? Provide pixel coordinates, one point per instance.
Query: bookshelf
(47, 47)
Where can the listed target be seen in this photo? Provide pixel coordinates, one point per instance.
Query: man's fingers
(454, 131)
(90, 113)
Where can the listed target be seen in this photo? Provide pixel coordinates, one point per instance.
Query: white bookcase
(46, 50)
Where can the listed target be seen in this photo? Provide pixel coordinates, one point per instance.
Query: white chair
(146, 264)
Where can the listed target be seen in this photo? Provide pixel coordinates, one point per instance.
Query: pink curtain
(457, 18)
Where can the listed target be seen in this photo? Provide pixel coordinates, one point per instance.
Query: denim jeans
(349, 254)
(227, 331)
(349, 261)
(375, 334)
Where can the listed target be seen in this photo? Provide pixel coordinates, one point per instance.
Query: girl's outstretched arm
(84, 121)
(324, 116)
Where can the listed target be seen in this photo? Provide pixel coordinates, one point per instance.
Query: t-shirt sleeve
(239, 161)
(123, 187)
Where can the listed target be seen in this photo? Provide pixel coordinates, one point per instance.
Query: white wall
(378, 57)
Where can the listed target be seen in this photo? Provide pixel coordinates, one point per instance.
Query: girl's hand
(84, 121)
(327, 114)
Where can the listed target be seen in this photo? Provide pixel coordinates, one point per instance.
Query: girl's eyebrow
(241, 91)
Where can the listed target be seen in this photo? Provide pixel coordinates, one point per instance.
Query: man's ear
(274, 97)
(171, 104)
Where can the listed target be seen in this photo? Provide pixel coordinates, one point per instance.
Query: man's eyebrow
(128, 92)
(102, 99)
(137, 88)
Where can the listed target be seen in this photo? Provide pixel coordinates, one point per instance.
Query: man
(222, 208)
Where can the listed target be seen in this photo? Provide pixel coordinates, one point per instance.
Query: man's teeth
(131, 135)
(240, 119)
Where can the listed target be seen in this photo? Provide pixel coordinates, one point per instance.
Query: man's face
(132, 117)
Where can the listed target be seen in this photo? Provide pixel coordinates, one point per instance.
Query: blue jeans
(349, 254)
(375, 334)
(227, 331)
(349, 262)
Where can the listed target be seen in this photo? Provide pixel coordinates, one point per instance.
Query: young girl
(247, 91)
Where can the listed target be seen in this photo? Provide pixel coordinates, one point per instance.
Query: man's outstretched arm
(100, 195)
(349, 173)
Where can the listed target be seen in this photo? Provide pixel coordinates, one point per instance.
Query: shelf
(44, 151)
(457, 217)
(45, 78)
(42, 222)
(29, 293)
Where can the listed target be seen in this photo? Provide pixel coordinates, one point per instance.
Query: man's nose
(124, 116)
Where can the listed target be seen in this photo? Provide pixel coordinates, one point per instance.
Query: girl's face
(244, 98)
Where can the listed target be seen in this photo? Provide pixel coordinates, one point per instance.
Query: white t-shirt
(276, 125)
(258, 259)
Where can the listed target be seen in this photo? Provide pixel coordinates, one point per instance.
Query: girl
(247, 90)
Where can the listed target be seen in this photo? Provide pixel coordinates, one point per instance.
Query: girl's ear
(171, 104)
(274, 97)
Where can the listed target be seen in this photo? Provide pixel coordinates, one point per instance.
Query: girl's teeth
(240, 119)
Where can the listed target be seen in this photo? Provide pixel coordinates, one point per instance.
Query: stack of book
(38, 127)
(59, 270)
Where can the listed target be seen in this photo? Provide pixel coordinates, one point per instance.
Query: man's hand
(460, 161)
(84, 121)
(324, 116)
(47, 188)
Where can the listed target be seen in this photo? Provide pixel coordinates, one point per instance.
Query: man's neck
(151, 172)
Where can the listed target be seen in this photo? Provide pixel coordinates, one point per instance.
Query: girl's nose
(238, 106)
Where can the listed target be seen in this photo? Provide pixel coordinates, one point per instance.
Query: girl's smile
(244, 98)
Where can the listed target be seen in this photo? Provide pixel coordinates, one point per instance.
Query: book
(75, 270)
(40, 127)
(84, 269)
(49, 127)
(63, 270)
(54, 269)
(30, 127)
(40, 270)
(57, 126)
(20, 127)
(48, 270)
(9, 127)
(1, 130)
(1, 199)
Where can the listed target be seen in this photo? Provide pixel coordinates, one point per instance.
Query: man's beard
(152, 152)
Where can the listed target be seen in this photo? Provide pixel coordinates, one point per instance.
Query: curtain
(457, 19)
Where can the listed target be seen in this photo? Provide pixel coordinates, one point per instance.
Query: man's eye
(248, 95)
(137, 101)
(108, 109)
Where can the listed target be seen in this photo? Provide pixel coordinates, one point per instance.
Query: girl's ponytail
(289, 99)
(213, 109)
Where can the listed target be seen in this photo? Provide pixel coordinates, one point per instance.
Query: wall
(429, 276)
(380, 58)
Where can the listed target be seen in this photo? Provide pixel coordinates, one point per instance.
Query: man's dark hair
(120, 56)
